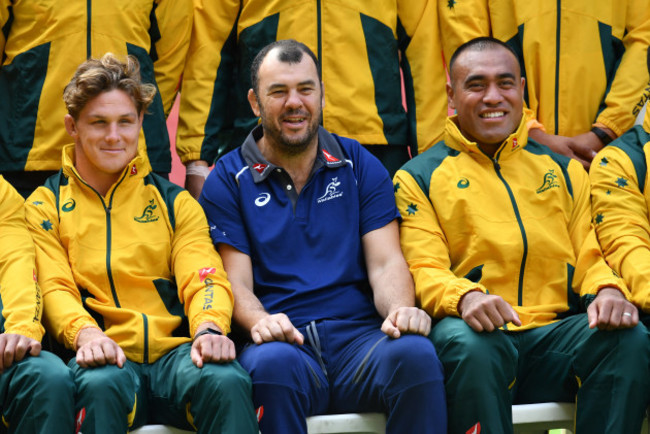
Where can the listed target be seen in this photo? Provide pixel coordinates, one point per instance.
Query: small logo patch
(260, 413)
(260, 167)
(262, 199)
(463, 183)
(330, 191)
(147, 215)
(205, 272)
(80, 420)
(476, 429)
(68, 206)
(134, 170)
(515, 143)
(549, 182)
(329, 157)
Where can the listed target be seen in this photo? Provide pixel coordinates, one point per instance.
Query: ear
(252, 100)
(71, 127)
(450, 96)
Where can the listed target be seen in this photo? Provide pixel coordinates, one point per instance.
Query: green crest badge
(148, 215)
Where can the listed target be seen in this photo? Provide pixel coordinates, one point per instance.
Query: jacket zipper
(89, 11)
(320, 33)
(557, 65)
(520, 286)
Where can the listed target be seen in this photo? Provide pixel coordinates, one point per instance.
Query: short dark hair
(95, 76)
(291, 51)
(479, 44)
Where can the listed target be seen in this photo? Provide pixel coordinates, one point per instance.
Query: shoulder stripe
(632, 143)
(168, 190)
(240, 173)
(422, 167)
(535, 148)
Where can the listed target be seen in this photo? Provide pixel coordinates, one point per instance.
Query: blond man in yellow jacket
(41, 44)
(31, 380)
(129, 273)
(361, 45)
(583, 60)
(496, 231)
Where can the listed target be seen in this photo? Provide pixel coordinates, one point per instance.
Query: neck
(297, 165)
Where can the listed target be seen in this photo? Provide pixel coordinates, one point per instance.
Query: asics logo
(262, 199)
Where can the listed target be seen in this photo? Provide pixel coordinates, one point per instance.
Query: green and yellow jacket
(620, 195)
(361, 45)
(42, 43)
(20, 295)
(584, 61)
(138, 263)
(517, 225)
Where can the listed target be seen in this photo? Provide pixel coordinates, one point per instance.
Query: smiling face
(289, 101)
(487, 92)
(106, 137)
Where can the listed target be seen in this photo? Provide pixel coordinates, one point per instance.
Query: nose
(492, 94)
(293, 99)
(112, 134)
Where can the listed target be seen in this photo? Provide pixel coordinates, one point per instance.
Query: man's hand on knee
(211, 346)
(485, 312)
(276, 328)
(14, 347)
(406, 320)
(94, 348)
(610, 310)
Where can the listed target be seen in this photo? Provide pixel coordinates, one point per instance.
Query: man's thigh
(174, 382)
(367, 368)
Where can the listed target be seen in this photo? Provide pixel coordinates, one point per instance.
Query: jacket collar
(329, 154)
(513, 143)
(138, 168)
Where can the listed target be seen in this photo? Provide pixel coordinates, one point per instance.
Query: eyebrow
(482, 77)
(101, 116)
(281, 85)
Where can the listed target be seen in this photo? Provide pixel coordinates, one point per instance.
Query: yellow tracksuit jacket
(584, 61)
(360, 44)
(620, 204)
(43, 41)
(517, 226)
(139, 263)
(20, 295)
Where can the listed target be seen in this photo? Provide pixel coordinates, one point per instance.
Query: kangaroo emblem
(147, 215)
(549, 181)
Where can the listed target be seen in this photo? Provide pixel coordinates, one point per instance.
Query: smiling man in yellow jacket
(41, 44)
(129, 273)
(583, 60)
(496, 231)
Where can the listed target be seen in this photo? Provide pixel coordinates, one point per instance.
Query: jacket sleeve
(174, 23)
(19, 293)
(620, 214)
(424, 71)
(629, 88)
(5, 15)
(461, 21)
(591, 271)
(437, 289)
(203, 287)
(209, 73)
(63, 312)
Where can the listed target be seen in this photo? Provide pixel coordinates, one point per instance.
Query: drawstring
(314, 341)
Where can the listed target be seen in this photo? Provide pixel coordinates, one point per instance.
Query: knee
(414, 357)
(45, 372)
(107, 382)
(272, 362)
(223, 379)
(459, 346)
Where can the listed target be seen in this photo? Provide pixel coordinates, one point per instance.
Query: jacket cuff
(71, 333)
(223, 324)
(468, 286)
